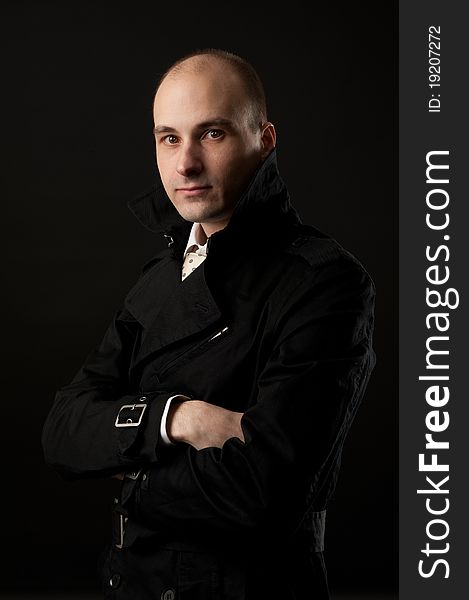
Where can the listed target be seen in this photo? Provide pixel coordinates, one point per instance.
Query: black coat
(295, 312)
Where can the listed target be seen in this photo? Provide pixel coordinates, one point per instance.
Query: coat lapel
(170, 309)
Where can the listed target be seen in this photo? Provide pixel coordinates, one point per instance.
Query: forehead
(191, 96)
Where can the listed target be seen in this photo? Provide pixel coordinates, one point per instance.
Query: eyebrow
(218, 121)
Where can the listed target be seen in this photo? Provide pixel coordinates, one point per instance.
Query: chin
(190, 213)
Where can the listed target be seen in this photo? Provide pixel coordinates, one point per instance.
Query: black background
(78, 79)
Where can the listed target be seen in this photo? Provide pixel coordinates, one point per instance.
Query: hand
(202, 425)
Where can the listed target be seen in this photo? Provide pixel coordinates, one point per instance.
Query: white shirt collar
(196, 238)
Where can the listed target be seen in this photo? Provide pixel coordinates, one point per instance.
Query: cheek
(226, 161)
(242, 166)
(166, 179)
(163, 163)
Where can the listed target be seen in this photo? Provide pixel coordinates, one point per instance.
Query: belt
(312, 526)
(120, 515)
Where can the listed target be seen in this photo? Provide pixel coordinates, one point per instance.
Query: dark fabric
(245, 521)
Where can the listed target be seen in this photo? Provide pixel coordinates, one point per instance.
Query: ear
(268, 138)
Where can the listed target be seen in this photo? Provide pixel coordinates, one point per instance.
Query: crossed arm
(318, 368)
(201, 424)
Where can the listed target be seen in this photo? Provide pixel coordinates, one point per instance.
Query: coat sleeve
(307, 394)
(100, 424)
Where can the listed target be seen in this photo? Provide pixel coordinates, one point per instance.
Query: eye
(170, 139)
(214, 134)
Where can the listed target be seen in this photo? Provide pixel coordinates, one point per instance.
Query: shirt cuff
(163, 433)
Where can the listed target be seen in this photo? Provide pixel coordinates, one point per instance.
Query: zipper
(221, 332)
(198, 348)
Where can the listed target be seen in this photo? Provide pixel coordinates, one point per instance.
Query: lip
(194, 190)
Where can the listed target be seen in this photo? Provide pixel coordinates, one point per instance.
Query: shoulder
(316, 258)
(325, 285)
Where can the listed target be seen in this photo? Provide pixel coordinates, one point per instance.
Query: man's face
(206, 148)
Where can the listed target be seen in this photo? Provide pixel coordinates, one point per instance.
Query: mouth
(194, 190)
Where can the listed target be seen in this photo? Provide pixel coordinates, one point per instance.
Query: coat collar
(262, 209)
(261, 216)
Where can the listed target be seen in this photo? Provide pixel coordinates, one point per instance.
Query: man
(224, 388)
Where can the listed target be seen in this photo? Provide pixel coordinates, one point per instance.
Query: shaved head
(232, 65)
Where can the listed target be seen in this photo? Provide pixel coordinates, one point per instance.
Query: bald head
(232, 70)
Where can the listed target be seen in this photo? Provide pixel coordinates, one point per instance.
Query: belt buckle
(121, 530)
(119, 519)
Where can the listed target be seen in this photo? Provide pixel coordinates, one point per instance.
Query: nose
(189, 161)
